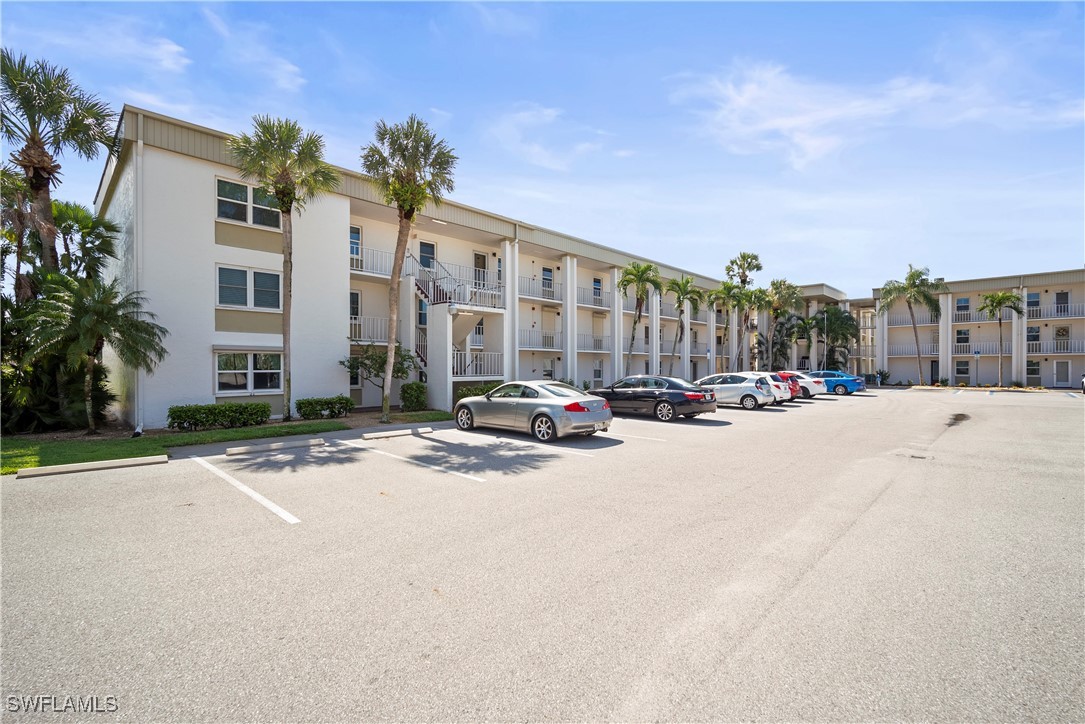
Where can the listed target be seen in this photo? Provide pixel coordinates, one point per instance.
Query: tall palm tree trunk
(674, 345)
(288, 303)
(40, 170)
(88, 391)
(915, 333)
(402, 237)
(772, 341)
(999, 350)
(633, 336)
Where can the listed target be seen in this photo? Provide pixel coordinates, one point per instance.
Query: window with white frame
(249, 288)
(248, 372)
(548, 369)
(247, 204)
(1032, 334)
(963, 336)
(961, 368)
(355, 304)
(647, 336)
(1032, 372)
(355, 241)
(423, 313)
(963, 304)
(597, 288)
(597, 370)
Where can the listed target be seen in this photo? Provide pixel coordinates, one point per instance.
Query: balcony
(368, 330)
(593, 297)
(666, 309)
(698, 348)
(908, 350)
(440, 283)
(372, 261)
(980, 348)
(977, 316)
(593, 343)
(540, 339)
(1055, 311)
(701, 315)
(1058, 346)
(904, 320)
(629, 304)
(478, 364)
(540, 289)
(477, 340)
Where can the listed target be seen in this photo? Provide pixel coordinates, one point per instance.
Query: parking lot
(843, 558)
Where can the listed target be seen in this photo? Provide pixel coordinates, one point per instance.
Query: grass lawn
(18, 454)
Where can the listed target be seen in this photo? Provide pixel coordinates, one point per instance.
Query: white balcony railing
(540, 339)
(593, 343)
(421, 344)
(698, 348)
(441, 283)
(701, 315)
(539, 289)
(372, 261)
(978, 316)
(364, 330)
(908, 350)
(904, 320)
(1052, 311)
(593, 297)
(629, 304)
(478, 364)
(980, 348)
(667, 309)
(1057, 346)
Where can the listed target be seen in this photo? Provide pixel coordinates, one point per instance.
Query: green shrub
(943, 381)
(412, 396)
(314, 408)
(473, 390)
(1016, 383)
(909, 383)
(230, 414)
(884, 375)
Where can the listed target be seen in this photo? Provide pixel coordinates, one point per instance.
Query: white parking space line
(413, 462)
(289, 518)
(526, 443)
(957, 392)
(1071, 394)
(634, 437)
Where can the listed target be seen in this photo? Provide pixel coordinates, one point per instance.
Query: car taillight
(606, 405)
(694, 395)
(576, 407)
(758, 385)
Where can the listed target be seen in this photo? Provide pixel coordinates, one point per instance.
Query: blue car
(840, 383)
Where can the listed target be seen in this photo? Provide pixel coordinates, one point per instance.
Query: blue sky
(840, 141)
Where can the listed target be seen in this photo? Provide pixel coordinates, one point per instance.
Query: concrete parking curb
(396, 433)
(269, 447)
(96, 465)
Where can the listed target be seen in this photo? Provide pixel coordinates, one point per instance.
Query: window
(355, 241)
(247, 204)
(1032, 372)
(1032, 334)
(548, 369)
(647, 336)
(507, 391)
(427, 253)
(1062, 303)
(963, 335)
(645, 366)
(1062, 339)
(252, 373)
(597, 371)
(500, 276)
(423, 313)
(597, 289)
(961, 368)
(548, 282)
(234, 287)
(355, 304)
(719, 340)
(963, 307)
(355, 377)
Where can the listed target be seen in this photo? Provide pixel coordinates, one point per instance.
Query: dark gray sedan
(545, 409)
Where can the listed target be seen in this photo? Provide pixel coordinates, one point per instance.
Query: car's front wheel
(840, 390)
(464, 419)
(806, 394)
(664, 411)
(542, 427)
(749, 402)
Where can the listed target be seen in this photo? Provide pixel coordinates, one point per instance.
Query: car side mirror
(488, 394)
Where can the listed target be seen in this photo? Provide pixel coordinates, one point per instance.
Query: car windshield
(776, 378)
(678, 384)
(560, 389)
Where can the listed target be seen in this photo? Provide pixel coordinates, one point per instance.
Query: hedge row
(473, 390)
(231, 414)
(412, 396)
(313, 408)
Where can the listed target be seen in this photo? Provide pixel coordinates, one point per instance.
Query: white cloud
(505, 21)
(121, 39)
(249, 44)
(518, 131)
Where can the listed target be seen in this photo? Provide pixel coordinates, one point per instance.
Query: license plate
(600, 426)
(709, 397)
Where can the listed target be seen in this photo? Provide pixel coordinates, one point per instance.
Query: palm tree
(750, 302)
(993, 304)
(683, 291)
(412, 167)
(88, 240)
(839, 329)
(638, 276)
(78, 317)
(725, 297)
(917, 289)
(15, 215)
(784, 297)
(742, 266)
(47, 114)
(288, 164)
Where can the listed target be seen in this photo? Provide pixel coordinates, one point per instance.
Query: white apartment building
(484, 297)
(1043, 347)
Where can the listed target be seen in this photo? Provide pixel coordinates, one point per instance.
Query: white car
(810, 385)
(781, 391)
(733, 388)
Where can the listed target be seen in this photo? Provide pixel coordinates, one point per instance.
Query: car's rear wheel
(806, 394)
(664, 411)
(840, 390)
(542, 427)
(464, 419)
(749, 402)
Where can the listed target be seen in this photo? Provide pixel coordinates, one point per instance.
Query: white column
(794, 355)
(683, 349)
(653, 331)
(439, 358)
(945, 337)
(511, 280)
(1019, 346)
(618, 336)
(568, 313)
(733, 336)
(815, 357)
(881, 337)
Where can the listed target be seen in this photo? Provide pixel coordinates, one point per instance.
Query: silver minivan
(734, 388)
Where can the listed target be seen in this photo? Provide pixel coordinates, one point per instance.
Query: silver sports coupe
(543, 408)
